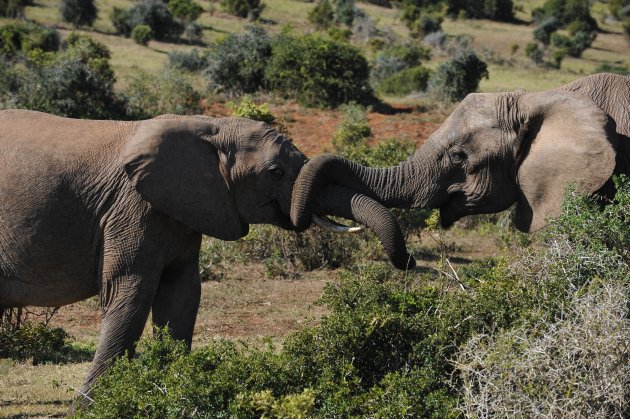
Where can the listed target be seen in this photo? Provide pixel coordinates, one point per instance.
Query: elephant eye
(458, 157)
(276, 172)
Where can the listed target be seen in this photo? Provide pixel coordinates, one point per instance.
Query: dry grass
(578, 366)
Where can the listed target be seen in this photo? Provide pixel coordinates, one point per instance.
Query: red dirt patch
(312, 129)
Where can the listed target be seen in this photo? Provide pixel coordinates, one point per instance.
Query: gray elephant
(496, 150)
(118, 209)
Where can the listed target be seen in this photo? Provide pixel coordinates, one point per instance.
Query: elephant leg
(177, 300)
(126, 303)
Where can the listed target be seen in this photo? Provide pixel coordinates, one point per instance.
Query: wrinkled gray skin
(118, 209)
(496, 150)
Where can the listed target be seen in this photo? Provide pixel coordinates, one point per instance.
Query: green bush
(237, 63)
(185, 10)
(142, 34)
(322, 15)
(21, 37)
(13, 8)
(248, 109)
(455, 79)
(353, 130)
(405, 82)
(77, 82)
(397, 58)
(78, 12)
(566, 12)
(168, 92)
(543, 331)
(190, 61)
(500, 10)
(318, 71)
(250, 9)
(32, 340)
(344, 12)
(153, 13)
(545, 29)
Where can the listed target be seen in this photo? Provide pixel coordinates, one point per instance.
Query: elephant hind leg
(177, 301)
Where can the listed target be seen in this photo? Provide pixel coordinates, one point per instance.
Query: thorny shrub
(541, 332)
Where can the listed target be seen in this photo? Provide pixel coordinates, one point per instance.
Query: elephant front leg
(126, 303)
(177, 300)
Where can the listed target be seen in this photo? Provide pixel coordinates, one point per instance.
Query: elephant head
(494, 150)
(216, 175)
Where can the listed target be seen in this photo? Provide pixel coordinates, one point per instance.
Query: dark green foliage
(318, 71)
(613, 68)
(168, 92)
(405, 82)
(153, 13)
(344, 12)
(388, 344)
(574, 46)
(32, 340)
(185, 10)
(422, 17)
(500, 10)
(78, 12)
(456, 78)
(77, 82)
(142, 34)
(322, 15)
(566, 12)
(237, 63)
(544, 30)
(396, 58)
(250, 9)
(616, 7)
(191, 61)
(13, 8)
(21, 37)
(22, 339)
(382, 3)
(534, 52)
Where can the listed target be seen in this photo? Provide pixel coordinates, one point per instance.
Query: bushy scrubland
(543, 332)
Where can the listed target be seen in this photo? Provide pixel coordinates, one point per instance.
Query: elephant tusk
(328, 224)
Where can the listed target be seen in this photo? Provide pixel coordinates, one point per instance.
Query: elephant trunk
(344, 202)
(401, 186)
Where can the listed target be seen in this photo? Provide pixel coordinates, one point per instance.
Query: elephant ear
(566, 139)
(176, 166)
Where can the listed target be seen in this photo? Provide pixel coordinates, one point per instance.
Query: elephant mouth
(281, 219)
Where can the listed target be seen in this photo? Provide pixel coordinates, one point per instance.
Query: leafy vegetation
(531, 333)
(78, 12)
(250, 9)
(318, 71)
(169, 91)
(237, 63)
(456, 78)
(152, 13)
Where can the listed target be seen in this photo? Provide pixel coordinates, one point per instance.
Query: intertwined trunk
(367, 194)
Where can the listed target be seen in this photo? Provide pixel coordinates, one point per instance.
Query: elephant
(118, 208)
(496, 150)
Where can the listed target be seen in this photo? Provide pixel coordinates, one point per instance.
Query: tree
(322, 15)
(185, 10)
(456, 78)
(153, 13)
(237, 63)
(250, 9)
(78, 12)
(344, 12)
